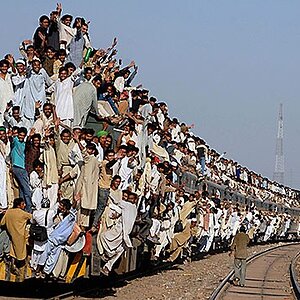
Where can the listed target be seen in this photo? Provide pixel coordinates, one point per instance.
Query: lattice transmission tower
(279, 158)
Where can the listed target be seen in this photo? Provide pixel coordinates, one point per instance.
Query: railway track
(263, 271)
(270, 275)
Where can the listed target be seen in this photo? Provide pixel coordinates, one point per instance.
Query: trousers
(240, 270)
(101, 204)
(23, 181)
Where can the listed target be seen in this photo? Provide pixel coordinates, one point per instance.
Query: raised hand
(32, 131)
(57, 122)
(132, 64)
(59, 7)
(76, 137)
(114, 52)
(47, 131)
(38, 104)
(10, 59)
(42, 37)
(115, 41)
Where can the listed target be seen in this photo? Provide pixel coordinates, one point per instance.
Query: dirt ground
(194, 280)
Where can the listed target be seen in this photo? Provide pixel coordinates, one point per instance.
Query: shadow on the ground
(96, 287)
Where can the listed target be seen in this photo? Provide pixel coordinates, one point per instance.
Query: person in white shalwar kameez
(270, 229)
(36, 179)
(36, 187)
(116, 238)
(166, 230)
(63, 94)
(35, 85)
(42, 217)
(18, 81)
(6, 88)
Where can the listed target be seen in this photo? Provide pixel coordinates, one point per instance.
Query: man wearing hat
(18, 81)
(102, 134)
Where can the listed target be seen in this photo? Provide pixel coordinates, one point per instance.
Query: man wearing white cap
(18, 81)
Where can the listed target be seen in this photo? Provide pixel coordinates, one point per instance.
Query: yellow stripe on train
(77, 268)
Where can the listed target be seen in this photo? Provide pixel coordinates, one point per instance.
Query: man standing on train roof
(239, 246)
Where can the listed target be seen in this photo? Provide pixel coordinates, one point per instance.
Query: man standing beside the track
(239, 246)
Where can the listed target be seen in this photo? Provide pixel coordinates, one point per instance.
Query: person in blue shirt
(18, 166)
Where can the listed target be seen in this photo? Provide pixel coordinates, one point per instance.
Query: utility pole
(279, 157)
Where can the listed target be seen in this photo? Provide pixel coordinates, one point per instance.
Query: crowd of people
(63, 182)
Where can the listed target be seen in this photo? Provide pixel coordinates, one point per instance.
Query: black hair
(88, 69)
(243, 229)
(43, 18)
(108, 152)
(139, 171)
(16, 108)
(47, 104)
(65, 131)
(70, 65)
(63, 69)
(37, 163)
(89, 131)
(130, 148)
(64, 17)
(51, 48)
(61, 52)
(97, 78)
(36, 135)
(151, 126)
(22, 130)
(113, 88)
(161, 166)
(136, 149)
(3, 62)
(91, 146)
(66, 203)
(116, 177)
(124, 147)
(17, 202)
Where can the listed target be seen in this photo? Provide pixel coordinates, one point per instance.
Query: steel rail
(225, 282)
(294, 276)
(162, 267)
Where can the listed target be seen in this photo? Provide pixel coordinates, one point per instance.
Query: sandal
(104, 271)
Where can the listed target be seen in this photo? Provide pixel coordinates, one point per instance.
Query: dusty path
(195, 280)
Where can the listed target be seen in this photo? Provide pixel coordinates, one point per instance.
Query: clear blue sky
(223, 65)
